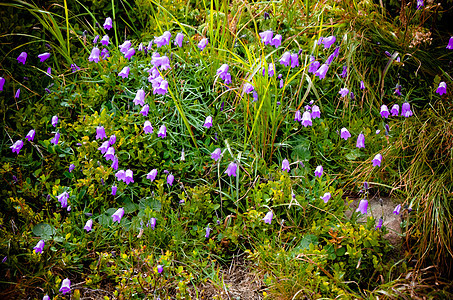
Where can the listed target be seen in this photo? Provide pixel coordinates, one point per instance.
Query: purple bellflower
(128, 178)
(100, 133)
(208, 231)
(108, 23)
(419, 4)
(170, 179)
(268, 217)
(114, 189)
(130, 52)
(344, 134)
(17, 146)
(276, 41)
(124, 72)
(160, 269)
(208, 122)
(104, 147)
(395, 110)
(202, 44)
(163, 40)
(125, 46)
(306, 119)
(65, 286)
(105, 40)
(120, 175)
(379, 225)
(2, 83)
(94, 56)
(17, 94)
(384, 111)
(46, 297)
(377, 160)
(326, 197)
(160, 86)
(71, 168)
(362, 85)
(216, 154)
(118, 215)
(30, 135)
(112, 140)
(231, 170)
(397, 89)
(360, 141)
(266, 37)
(343, 92)
(328, 41)
(406, 110)
(450, 44)
(314, 65)
(285, 59)
(248, 88)
(178, 39)
(285, 165)
(363, 206)
(148, 128)
(152, 175)
(110, 154)
(22, 58)
(42, 57)
(39, 246)
(321, 72)
(297, 116)
(442, 89)
(63, 199)
(162, 132)
(140, 97)
(88, 225)
(152, 223)
(294, 60)
(319, 170)
(145, 110)
(397, 209)
(55, 139)
(223, 71)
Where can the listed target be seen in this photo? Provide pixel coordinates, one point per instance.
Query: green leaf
(44, 230)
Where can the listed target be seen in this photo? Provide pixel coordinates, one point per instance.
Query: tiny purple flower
(208, 122)
(321, 72)
(88, 225)
(319, 170)
(285, 165)
(125, 46)
(160, 269)
(130, 52)
(17, 94)
(114, 189)
(170, 179)
(42, 57)
(105, 40)
(266, 37)
(152, 223)
(406, 110)
(124, 72)
(63, 199)
(120, 175)
(2, 83)
(148, 128)
(315, 112)
(398, 90)
(231, 170)
(314, 66)
(377, 160)
(94, 56)
(363, 206)
(268, 217)
(345, 72)
(202, 44)
(178, 39)
(17, 146)
(276, 41)
(71, 168)
(395, 110)
(100, 133)
(223, 71)
(294, 60)
(326, 197)
(65, 286)
(450, 44)
(360, 141)
(55, 139)
(397, 209)
(216, 154)
(362, 85)
(22, 58)
(328, 41)
(110, 154)
(104, 147)
(255, 96)
(248, 88)
(152, 175)
(379, 225)
(208, 231)
(30, 135)
(344, 134)
(112, 140)
(297, 116)
(118, 215)
(39, 246)
(285, 59)
(384, 111)
(419, 4)
(163, 40)
(162, 132)
(442, 89)
(128, 177)
(306, 119)
(343, 92)
(108, 23)
(145, 110)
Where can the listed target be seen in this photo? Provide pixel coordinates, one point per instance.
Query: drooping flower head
(294, 60)
(124, 72)
(104, 147)
(231, 170)
(328, 41)
(145, 110)
(105, 40)
(322, 71)
(163, 40)
(17, 146)
(248, 88)
(362, 85)
(326, 197)
(397, 209)
(88, 225)
(55, 139)
(208, 122)
(216, 154)
(319, 170)
(306, 119)
(147, 127)
(160, 86)
(276, 41)
(71, 168)
(2, 83)
(384, 111)
(54, 121)
(450, 44)
(178, 39)
(419, 4)
(202, 44)
(22, 58)
(397, 89)
(42, 57)
(223, 71)
(379, 225)
(208, 231)
(118, 215)
(110, 154)
(94, 56)
(100, 133)
(152, 175)
(125, 46)
(39, 246)
(128, 178)
(30, 135)
(285, 59)
(344, 134)
(377, 160)
(363, 206)
(63, 199)
(120, 175)
(170, 179)
(360, 141)
(345, 72)
(285, 165)
(343, 92)
(65, 286)
(266, 37)
(162, 132)
(395, 110)
(160, 269)
(268, 217)
(314, 66)
(442, 89)
(108, 23)
(130, 52)
(152, 223)
(297, 116)
(406, 110)
(114, 189)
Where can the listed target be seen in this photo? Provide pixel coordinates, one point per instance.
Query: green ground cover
(148, 144)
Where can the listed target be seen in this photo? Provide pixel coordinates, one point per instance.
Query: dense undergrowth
(150, 168)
